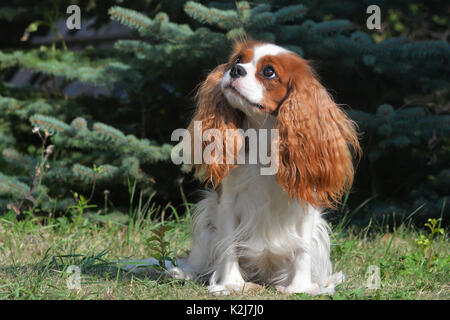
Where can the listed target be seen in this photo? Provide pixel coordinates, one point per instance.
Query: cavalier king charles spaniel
(255, 229)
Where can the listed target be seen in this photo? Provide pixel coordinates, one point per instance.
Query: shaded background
(112, 92)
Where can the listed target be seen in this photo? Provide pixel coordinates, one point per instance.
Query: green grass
(35, 253)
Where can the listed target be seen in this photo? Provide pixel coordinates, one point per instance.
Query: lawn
(35, 253)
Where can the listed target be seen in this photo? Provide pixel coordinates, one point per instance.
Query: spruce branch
(290, 13)
(224, 19)
(133, 19)
(51, 124)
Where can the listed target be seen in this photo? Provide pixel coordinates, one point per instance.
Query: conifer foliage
(395, 83)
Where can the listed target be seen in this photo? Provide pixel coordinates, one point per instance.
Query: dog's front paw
(227, 287)
(178, 273)
(230, 288)
(311, 289)
(220, 290)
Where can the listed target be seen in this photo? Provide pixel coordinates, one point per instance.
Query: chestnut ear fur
(316, 142)
(214, 112)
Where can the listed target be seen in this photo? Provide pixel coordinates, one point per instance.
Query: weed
(425, 241)
(160, 249)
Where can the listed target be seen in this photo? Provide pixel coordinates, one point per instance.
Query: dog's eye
(238, 60)
(268, 72)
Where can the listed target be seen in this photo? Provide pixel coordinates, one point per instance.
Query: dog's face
(258, 77)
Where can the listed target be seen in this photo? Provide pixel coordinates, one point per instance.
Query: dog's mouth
(236, 92)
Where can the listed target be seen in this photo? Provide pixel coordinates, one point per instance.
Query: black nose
(237, 71)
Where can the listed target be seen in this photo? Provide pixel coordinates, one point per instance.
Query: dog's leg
(226, 277)
(198, 261)
(300, 278)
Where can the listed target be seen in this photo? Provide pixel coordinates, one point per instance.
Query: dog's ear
(316, 142)
(215, 116)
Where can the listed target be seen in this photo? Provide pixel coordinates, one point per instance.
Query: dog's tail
(146, 267)
(180, 269)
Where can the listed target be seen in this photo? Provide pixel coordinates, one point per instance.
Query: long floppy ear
(214, 112)
(316, 142)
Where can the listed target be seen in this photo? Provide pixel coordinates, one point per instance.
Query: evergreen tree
(394, 84)
(78, 151)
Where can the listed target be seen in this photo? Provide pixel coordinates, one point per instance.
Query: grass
(36, 252)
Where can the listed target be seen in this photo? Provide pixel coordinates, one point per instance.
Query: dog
(252, 229)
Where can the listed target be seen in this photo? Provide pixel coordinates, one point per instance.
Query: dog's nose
(237, 71)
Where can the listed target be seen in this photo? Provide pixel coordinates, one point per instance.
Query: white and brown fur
(270, 229)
